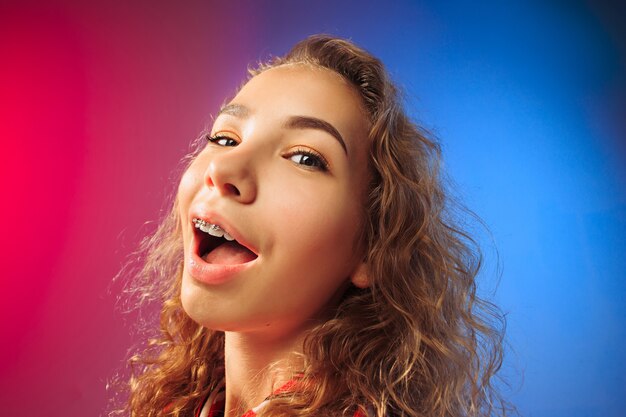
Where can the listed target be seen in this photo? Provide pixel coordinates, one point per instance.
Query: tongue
(229, 253)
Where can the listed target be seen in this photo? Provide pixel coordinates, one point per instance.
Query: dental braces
(212, 229)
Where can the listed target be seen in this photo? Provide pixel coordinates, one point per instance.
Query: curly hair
(417, 342)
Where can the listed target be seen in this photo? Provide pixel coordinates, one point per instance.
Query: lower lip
(212, 274)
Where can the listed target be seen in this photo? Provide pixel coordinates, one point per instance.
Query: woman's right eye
(222, 140)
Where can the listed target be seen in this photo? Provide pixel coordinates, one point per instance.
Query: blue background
(100, 100)
(528, 101)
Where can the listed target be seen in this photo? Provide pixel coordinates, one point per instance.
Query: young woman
(310, 265)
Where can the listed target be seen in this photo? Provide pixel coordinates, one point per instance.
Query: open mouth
(215, 246)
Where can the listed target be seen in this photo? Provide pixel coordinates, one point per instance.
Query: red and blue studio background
(100, 101)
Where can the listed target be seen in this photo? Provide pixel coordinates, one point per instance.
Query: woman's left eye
(309, 160)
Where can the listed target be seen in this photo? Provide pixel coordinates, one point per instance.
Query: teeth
(205, 228)
(212, 229)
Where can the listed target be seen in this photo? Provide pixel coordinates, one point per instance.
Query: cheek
(319, 227)
(190, 182)
(187, 189)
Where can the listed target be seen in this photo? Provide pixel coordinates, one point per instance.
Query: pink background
(100, 101)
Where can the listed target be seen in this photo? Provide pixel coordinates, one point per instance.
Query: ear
(360, 277)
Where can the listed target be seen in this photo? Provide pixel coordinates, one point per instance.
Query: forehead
(314, 85)
(305, 90)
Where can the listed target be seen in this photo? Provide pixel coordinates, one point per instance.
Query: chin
(194, 304)
(197, 305)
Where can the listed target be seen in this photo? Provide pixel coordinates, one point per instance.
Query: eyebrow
(236, 110)
(293, 122)
(307, 122)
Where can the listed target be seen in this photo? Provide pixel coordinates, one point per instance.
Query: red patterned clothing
(216, 402)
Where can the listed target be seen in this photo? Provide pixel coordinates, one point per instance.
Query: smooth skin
(287, 168)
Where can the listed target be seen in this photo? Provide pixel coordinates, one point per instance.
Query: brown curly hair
(418, 342)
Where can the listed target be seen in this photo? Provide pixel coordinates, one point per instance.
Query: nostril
(231, 189)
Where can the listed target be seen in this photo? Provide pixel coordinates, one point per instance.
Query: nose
(231, 174)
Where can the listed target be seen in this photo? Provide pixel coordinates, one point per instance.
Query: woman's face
(285, 174)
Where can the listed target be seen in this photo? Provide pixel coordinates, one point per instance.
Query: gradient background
(99, 103)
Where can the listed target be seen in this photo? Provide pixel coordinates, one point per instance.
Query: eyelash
(319, 161)
(215, 139)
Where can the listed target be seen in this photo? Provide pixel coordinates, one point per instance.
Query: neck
(249, 377)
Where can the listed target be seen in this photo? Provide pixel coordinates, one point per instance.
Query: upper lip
(214, 218)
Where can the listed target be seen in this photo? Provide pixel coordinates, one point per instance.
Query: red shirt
(215, 403)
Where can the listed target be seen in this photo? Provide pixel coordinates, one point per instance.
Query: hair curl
(418, 342)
